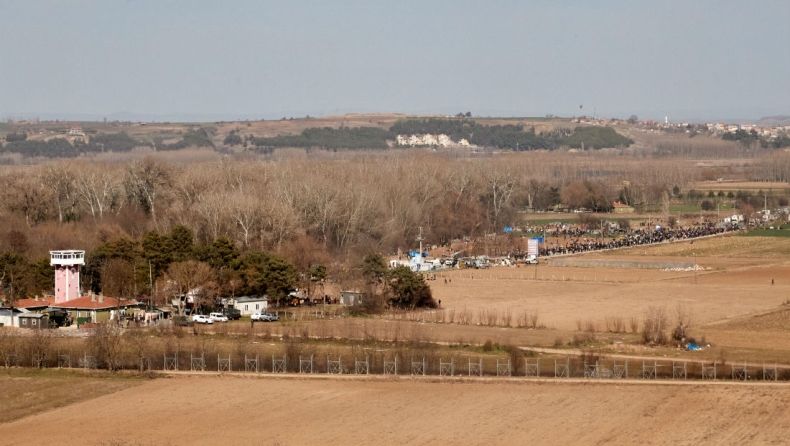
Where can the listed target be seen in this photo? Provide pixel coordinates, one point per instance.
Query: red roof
(80, 303)
(42, 302)
(621, 205)
(92, 303)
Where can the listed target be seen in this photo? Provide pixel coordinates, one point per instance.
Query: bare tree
(145, 181)
(183, 278)
(100, 189)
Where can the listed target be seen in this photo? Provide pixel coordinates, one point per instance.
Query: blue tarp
(539, 239)
(508, 229)
(416, 253)
(693, 347)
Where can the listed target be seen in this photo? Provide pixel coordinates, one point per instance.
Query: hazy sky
(225, 59)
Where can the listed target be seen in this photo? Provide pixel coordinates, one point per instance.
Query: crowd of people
(581, 240)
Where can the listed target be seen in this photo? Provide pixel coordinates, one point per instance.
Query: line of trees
(512, 136)
(331, 139)
(361, 204)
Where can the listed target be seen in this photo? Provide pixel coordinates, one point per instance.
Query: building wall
(33, 323)
(67, 283)
(247, 308)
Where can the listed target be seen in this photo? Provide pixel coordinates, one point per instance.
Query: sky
(236, 59)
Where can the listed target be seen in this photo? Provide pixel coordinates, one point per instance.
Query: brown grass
(26, 392)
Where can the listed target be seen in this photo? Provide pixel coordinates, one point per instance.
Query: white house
(251, 304)
(5, 317)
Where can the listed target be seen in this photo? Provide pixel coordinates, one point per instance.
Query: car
(218, 317)
(265, 317)
(270, 317)
(201, 319)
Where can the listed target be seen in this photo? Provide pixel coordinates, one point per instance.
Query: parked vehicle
(201, 319)
(232, 313)
(218, 317)
(265, 317)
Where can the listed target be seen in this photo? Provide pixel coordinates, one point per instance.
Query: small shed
(33, 321)
(352, 297)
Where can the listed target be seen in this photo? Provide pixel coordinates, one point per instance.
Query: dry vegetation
(28, 392)
(332, 208)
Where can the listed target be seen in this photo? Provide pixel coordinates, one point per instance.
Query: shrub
(655, 325)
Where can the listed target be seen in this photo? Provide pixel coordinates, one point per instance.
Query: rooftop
(41, 302)
(92, 302)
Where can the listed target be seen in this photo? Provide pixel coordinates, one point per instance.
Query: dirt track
(239, 411)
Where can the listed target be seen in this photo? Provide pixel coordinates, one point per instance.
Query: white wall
(247, 308)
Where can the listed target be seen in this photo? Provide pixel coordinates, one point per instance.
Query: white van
(218, 317)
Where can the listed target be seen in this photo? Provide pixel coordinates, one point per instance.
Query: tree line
(512, 136)
(112, 142)
(140, 217)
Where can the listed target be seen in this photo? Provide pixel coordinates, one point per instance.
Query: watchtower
(67, 273)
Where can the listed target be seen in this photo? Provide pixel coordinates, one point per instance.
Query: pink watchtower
(67, 273)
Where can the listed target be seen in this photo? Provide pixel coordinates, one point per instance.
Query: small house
(9, 317)
(248, 305)
(620, 208)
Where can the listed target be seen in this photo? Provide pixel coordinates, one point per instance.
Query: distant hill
(770, 121)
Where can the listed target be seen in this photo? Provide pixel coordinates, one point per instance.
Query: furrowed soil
(243, 411)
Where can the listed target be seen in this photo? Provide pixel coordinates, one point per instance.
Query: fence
(394, 363)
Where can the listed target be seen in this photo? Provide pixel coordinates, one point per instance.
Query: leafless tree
(182, 278)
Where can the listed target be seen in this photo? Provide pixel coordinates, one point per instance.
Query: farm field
(27, 392)
(281, 411)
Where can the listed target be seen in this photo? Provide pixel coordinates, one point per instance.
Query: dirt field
(238, 411)
(562, 295)
(27, 392)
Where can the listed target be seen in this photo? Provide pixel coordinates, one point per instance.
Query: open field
(239, 411)
(776, 188)
(27, 392)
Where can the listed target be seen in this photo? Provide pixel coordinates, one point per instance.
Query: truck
(232, 313)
